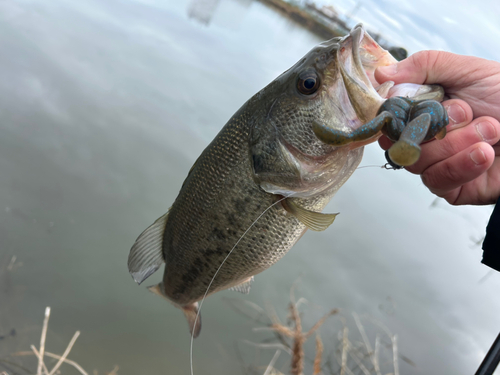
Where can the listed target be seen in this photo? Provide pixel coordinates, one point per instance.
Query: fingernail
(456, 114)
(477, 156)
(389, 70)
(486, 131)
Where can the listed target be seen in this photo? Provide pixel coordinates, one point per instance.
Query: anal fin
(146, 255)
(316, 221)
(243, 287)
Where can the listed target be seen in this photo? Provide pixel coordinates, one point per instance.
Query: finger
(459, 112)
(482, 129)
(428, 67)
(496, 147)
(446, 177)
(483, 190)
(384, 142)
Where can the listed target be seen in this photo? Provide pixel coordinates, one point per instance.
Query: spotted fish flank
(266, 177)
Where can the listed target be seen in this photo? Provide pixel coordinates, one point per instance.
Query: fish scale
(221, 222)
(265, 178)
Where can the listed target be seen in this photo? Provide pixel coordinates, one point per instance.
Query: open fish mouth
(358, 56)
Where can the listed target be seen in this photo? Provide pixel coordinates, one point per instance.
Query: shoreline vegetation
(304, 17)
(42, 355)
(326, 22)
(344, 352)
(15, 362)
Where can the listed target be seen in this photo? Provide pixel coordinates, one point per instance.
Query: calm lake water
(104, 107)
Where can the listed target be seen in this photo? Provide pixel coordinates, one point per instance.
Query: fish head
(333, 85)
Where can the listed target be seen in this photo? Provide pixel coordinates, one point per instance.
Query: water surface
(105, 105)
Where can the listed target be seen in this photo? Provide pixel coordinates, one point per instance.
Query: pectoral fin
(316, 221)
(146, 255)
(244, 287)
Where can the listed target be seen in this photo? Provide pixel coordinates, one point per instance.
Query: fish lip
(358, 33)
(360, 92)
(354, 38)
(363, 40)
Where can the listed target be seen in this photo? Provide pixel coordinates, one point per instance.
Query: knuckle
(441, 176)
(449, 147)
(424, 60)
(449, 172)
(430, 63)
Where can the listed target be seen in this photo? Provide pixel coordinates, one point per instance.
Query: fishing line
(370, 166)
(218, 269)
(384, 166)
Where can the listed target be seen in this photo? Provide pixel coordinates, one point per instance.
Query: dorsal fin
(243, 287)
(146, 255)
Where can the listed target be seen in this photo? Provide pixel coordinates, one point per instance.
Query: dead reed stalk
(42, 353)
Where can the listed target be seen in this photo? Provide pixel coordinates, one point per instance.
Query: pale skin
(464, 167)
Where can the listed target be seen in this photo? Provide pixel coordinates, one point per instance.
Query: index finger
(430, 67)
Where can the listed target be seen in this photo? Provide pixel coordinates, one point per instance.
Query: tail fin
(190, 311)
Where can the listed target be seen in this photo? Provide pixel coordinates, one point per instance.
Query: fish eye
(308, 82)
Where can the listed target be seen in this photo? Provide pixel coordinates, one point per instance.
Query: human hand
(464, 167)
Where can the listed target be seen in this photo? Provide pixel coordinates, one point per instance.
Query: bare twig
(298, 343)
(269, 346)
(41, 367)
(246, 308)
(359, 362)
(320, 322)
(345, 349)
(394, 345)
(42, 341)
(65, 354)
(271, 364)
(39, 360)
(395, 354)
(317, 358)
(114, 371)
(375, 355)
(301, 301)
(272, 315)
(52, 355)
(367, 342)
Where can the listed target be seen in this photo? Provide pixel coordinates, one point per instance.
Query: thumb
(424, 67)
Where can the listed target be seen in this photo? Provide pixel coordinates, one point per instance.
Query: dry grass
(347, 353)
(7, 266)
(42, 354)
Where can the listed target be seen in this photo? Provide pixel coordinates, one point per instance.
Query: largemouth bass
(268, 174)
